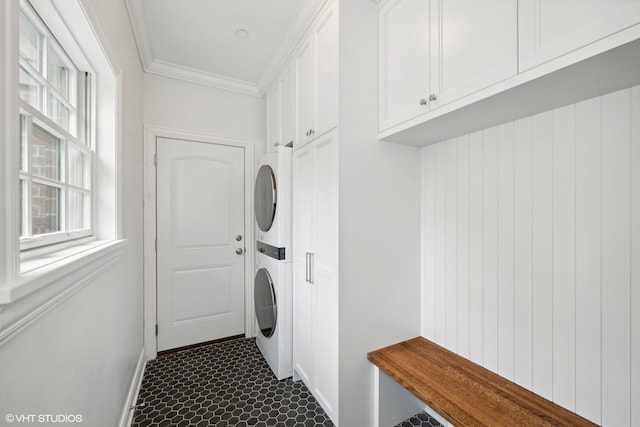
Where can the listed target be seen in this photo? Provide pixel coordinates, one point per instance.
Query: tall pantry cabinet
(314, 68)
(315, 269)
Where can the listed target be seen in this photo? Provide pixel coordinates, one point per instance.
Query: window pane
(24, 195)
(77, 167)
(45, 209)
(59, 74)
(78, 208)
(46, 152)
(24, 142)
(59, 113)
(30, 43)
(30, 90)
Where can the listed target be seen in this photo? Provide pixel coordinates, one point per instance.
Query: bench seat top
(465, 393)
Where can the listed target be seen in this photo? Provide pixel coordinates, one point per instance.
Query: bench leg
(392, 403)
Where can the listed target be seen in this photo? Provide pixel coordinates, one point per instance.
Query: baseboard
(127, 413)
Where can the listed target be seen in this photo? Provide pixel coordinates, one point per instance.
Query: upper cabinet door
(273, 117)
(326, 40)
(288, 106)
(473, 46)
(404, 61)
(306, 91)
(552, 28)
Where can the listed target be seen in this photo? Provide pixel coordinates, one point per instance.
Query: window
(56, 153)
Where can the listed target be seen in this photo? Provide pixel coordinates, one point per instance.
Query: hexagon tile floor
(223, 384)
(420, 420)
(228, 384)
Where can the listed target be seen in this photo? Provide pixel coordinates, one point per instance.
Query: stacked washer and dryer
(273, 296)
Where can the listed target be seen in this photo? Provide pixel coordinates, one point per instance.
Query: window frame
(36, 280)
(78, 136)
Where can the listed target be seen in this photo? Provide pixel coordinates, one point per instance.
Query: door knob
(238, 238)
(423, 101)
(432, 97)
(239, 251)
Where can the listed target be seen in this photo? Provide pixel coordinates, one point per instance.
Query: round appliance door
(265, 197)
(265, 303)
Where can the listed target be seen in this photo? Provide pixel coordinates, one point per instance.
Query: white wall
(532, 253)
(181, 105)
(379, 220)
(80, 357)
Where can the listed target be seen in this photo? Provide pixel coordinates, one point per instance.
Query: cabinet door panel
(326, 74)
(303, 167)
(288, 106)
(404, 60)
(273, 117)
(473, 45)
(325, 343)
(306, 91)
(551, 28)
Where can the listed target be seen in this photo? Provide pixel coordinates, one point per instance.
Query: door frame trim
(151, 133)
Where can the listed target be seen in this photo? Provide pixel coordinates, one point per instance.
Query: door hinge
(156, 329)
(155, 159)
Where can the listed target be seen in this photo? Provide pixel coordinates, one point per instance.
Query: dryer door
(265, 197)
(265, 303)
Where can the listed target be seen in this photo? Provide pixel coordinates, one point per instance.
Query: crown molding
(298, 31)
(200, 77)
(140, 31)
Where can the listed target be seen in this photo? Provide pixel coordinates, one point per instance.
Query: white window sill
(44, 270)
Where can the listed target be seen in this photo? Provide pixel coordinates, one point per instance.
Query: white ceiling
(196, 40)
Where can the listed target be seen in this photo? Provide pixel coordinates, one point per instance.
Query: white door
(326, 74)
(303, 169)
(315, 266)
(288, 106)
(463, 63)
(273, 117)
(404, 61)
(551, 28)
(324, 274)
(200, 238)
(306, 92)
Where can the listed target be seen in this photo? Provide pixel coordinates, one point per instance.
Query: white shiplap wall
(531, 253)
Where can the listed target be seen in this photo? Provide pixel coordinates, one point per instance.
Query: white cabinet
(306, 91)
(552, 28)
(288, 105)
(315, 269)
(435, 52)
(473, 46)
(404, 61)
(273, 116)
(317, 71)
(281, 110)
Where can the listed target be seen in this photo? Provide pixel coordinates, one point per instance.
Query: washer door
(265, 303)
(265, 197)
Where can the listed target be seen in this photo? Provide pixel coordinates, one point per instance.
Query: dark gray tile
(421, 420)
(224, 384)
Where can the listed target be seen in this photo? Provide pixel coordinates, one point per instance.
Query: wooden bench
(464, 393)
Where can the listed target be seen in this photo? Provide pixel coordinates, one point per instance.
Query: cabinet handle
(423, 101)
(306, 267)
(311, 268)
(311, 132)
(432, 97)
(307, 133)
